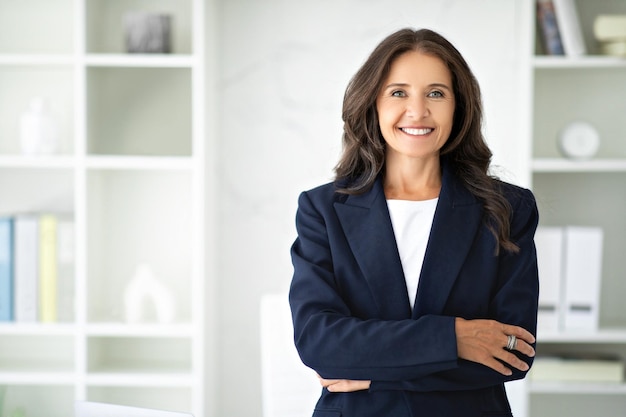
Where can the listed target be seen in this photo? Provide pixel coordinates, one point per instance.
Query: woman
(415, 276)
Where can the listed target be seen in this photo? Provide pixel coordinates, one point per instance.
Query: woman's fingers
(344, 385)
(486, 341)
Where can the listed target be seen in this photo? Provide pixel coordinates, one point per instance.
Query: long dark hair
(363, 156)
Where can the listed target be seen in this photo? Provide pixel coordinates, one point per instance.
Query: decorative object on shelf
(38, 128)
(569, 27)
(147, 32)
(579, 140)
(610, 32)
(549, 29)
(144, 288)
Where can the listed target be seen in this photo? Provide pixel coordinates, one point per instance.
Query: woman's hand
(484, 341)
(344, 385)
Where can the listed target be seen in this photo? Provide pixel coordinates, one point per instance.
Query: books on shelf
(6, 269)
(26, 270)
(610, 31)
(569, 27)
(548, 28)
(37, 268)
(570, 273)
(559, 27)
(577, 369)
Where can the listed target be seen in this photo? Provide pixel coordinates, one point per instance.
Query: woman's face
(416, 106)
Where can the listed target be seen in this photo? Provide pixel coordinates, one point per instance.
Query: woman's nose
(417, 107)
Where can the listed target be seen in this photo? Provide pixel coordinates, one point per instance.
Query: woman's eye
(397, 93)
(436, 94)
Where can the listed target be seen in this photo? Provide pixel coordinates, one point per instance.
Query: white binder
(549, 244)
(582, 272)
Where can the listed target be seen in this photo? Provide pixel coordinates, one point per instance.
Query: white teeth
(412, 131)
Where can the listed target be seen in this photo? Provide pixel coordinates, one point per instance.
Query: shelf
(576, 388)
(601, 336)
(132, 379)
(140, 162)
(566, 165)
(140, 330)
(38, 378)
(37, 59)
(128, 169)
(139, 60)
(590, 61)
(37, 161)
(37, 329)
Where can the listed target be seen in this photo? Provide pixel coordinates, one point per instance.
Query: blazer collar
(367, 225)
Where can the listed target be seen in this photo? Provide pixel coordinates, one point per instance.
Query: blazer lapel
(457, 219)
(367, 226)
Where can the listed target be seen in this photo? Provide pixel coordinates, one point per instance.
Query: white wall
(283, 67)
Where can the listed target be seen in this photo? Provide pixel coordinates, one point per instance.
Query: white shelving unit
(130, 171)
(592, 192)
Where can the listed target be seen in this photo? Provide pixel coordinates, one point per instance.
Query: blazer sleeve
(514, 303)
(335, 343)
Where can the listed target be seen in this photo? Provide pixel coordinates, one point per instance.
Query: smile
(416, 132)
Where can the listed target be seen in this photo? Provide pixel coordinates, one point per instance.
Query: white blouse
(412, 221)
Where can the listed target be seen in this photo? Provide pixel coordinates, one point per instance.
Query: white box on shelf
(549, 244)
(583, 273)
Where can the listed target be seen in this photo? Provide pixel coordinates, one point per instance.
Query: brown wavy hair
(363, 156)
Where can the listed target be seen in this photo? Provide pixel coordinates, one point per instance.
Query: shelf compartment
(37, 400)
(21, 84)
(165, 398)
(36, 26)
(157, 233)
(591, 199)
(40, 190)
(139, 111)
(128, 361)
(557, 104)
(104, 23)
(36, 353)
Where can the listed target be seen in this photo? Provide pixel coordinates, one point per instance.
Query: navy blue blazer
(351, 313)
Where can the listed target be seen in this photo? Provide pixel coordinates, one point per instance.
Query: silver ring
(511, 343)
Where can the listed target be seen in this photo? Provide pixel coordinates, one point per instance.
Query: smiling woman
(415, 274)
(415, 112)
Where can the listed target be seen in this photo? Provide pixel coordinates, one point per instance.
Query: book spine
(26, 268)
(65, 268)
(549, 28)
(48, 268)
(6, 269)
(569, 27)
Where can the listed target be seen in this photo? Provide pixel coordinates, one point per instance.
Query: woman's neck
(415, 180)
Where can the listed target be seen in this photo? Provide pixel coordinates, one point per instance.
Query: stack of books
(610, 31)
(36, 268)
(584, 369)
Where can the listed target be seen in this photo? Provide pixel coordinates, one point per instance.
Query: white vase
(38, 129)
